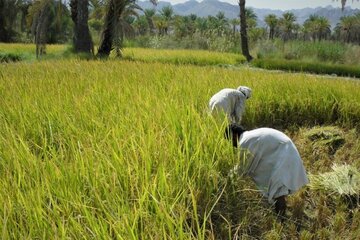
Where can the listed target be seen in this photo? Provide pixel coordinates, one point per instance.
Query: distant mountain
(212, 7)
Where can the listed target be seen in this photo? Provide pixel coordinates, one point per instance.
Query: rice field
(192, 57)
(27, 51)
(127, 150)
(195, 57)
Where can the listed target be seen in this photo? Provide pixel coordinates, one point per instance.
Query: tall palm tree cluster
(315, 28)
(166, 23)
(285, 27)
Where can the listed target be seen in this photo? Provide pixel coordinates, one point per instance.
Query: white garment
(229, 101)
(273, 162)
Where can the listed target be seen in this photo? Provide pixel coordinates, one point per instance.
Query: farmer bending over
(271, 159)
(231, 102)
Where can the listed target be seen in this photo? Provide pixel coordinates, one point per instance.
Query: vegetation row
(302, 66)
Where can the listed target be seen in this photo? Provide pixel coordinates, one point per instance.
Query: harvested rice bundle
(344, 180)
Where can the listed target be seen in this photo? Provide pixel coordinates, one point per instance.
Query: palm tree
(201, 24)
(114, 24)
(149, 14)
(141, 24)
(287, 25)
(234, 22)
(167, 13)
(323, 27)
(160, 24)
(184, 25)
(271, 20)
(347, 25)
(309, 27)
(243, 32)
(318, 27)
(97, 9)
(221, 23)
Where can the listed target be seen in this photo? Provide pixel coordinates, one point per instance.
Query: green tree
(9, 10)
(221, 23)
(287, 25)
(234, 23)
(323, 28)
(317, 27)
(184, 25)
(97, 9)
(141, 25)
(167, 14)
(347, 26)
(96, 15)
(272, 21)
(149, 14)
(201, 25)
(57, 17)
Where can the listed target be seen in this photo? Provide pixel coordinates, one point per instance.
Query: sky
(286, 4)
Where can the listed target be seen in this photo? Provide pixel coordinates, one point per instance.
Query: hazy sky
(285, 4)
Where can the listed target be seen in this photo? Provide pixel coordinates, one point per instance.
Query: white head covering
(245, 90)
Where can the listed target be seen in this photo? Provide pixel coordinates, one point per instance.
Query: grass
(10, 57)
(320, 57)
(126, 150)
(319, 51)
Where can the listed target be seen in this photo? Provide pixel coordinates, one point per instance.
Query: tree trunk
(80, 13)
(243, 32)
(348, 33)
(107, 34)
(3, 31)
(151, 25)
(272, 31)
(41, 31)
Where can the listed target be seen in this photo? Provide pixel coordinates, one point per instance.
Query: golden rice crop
(124, 149)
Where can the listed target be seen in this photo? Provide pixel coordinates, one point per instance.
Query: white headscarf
(245, 90)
